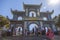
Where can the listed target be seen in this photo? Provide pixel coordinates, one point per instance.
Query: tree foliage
(3, 21)
(58, 23)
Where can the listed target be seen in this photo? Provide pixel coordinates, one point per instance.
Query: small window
(32, 14)
(44, 18)
(19, 18)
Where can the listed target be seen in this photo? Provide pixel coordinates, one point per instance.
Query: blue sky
(6, 5)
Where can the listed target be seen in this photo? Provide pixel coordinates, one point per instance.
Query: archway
(33, 25)
(19, 30)
(32, 14)
(33, 29)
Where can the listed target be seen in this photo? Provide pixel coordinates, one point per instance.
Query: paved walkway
(57, 37)
(28, 38)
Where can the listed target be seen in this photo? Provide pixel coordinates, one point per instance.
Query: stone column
(38, 12)
(26, 11)
(14, 30)
(53, 27)
(25, 28)
(22, 30)
(41, 24)
(49, 17)
(15, 17)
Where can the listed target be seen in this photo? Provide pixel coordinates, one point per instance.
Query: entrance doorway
(19, 31)
(33, 29)
(32, 26)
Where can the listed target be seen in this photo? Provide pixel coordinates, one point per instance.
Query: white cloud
(53, 2)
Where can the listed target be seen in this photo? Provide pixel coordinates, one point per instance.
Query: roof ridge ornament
(32, 5)
(41, 4)
(11, 9)
(52, 11)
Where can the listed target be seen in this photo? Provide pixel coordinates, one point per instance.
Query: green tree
(58, 23)
(3, 21)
